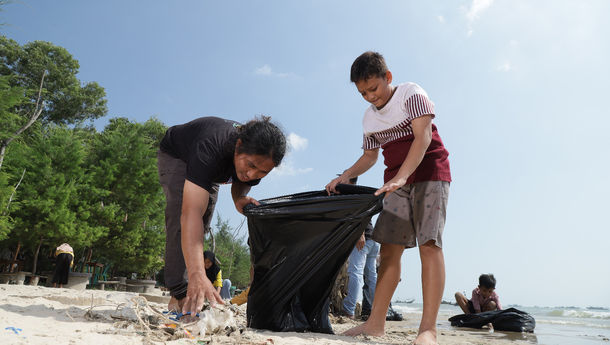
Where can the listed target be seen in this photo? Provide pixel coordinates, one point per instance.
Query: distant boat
(447, 302)
(407, 301)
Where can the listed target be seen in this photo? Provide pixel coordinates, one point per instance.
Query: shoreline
(40, 315)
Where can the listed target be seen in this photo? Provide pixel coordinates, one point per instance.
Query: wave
(573, 323)
(578, 314)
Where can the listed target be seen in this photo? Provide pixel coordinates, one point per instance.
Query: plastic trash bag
(510, 319)
(298, 244)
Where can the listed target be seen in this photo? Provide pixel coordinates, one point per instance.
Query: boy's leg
(433, 284)
(429, 212)
(462, 301)
(387, 280)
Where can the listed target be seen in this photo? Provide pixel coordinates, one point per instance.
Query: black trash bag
(510, 319)
(298, 244)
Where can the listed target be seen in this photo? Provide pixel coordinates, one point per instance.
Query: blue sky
(519, 88)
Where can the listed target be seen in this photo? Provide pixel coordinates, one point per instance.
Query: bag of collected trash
(298, 243)
(510, 319)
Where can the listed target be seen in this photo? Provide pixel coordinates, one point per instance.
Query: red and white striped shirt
(390, 128)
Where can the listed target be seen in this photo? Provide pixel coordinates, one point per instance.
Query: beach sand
(40, 315)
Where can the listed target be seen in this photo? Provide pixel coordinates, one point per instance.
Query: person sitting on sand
(193, 159)
(484, 297)
(212, 270)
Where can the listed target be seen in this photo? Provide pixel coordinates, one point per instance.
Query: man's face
(251, 167)
(376, 90)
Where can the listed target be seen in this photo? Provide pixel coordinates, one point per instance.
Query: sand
(40, 315)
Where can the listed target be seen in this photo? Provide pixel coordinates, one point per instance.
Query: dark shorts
(471, 307)
(172, 174)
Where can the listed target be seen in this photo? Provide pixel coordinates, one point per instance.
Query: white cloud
(287, 168)
(441, 19)
(505, 67)
(296, 142)
(267, 71)
(474, 12)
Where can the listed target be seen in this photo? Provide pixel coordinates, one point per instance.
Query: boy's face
(485, 292)
(376, 90)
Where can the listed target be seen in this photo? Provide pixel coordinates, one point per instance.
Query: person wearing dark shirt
(193, 159)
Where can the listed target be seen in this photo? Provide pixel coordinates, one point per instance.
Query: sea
(554, 325)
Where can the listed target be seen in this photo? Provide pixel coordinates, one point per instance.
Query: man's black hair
(369, 64)
(261, 137)
(487, 280)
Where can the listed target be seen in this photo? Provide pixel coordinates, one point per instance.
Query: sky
(519, 89)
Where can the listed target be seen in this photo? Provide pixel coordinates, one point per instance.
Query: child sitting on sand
(484, 297)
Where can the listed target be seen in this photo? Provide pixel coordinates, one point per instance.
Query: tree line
(63, 181)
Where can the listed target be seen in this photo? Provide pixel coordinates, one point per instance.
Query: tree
(124, 170)
(51, 207)
(232, 252)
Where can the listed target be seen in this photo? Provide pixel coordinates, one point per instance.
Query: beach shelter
(298, 243)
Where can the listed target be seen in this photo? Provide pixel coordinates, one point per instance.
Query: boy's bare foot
(364, 329)
(175, 304)
(426, 338)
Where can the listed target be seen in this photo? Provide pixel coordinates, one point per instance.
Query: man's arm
(422, 131)
(194, 203)
(239, 192)
(364, 163)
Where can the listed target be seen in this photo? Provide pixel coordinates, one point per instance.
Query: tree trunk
(35, 114)
(10, 270)
(36, 256)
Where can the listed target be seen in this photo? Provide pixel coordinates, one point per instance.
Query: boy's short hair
(369, 64)
(487, 280)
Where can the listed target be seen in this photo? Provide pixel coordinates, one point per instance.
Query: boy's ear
(388, 76)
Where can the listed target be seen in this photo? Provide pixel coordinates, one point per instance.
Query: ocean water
(554, 325)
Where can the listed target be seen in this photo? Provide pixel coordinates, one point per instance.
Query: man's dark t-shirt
(207, 146)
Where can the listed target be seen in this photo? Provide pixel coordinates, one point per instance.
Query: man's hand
(361, 242)
(199, 289)
(391, 185)
(241, 202)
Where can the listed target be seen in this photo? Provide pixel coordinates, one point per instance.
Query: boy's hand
(330, 187)
(243, 201)
(391, 186)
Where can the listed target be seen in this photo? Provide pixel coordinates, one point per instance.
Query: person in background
(64, 260)
(225, 291)
(361, 269)
(484, 297)
(212, 270)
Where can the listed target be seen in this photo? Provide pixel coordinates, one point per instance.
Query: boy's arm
(422, 131)
(476, 303)
(364, 163)
(239, 191)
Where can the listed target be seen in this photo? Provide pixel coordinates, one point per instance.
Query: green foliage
(233, 253)
(66, 100)
(124, 172)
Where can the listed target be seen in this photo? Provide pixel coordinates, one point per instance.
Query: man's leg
(433, 284)
(172, 173)
(355, 267)
(387, 280)
(370, 268)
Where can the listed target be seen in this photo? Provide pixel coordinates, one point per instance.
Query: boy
(416, 178)
(484, 297)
